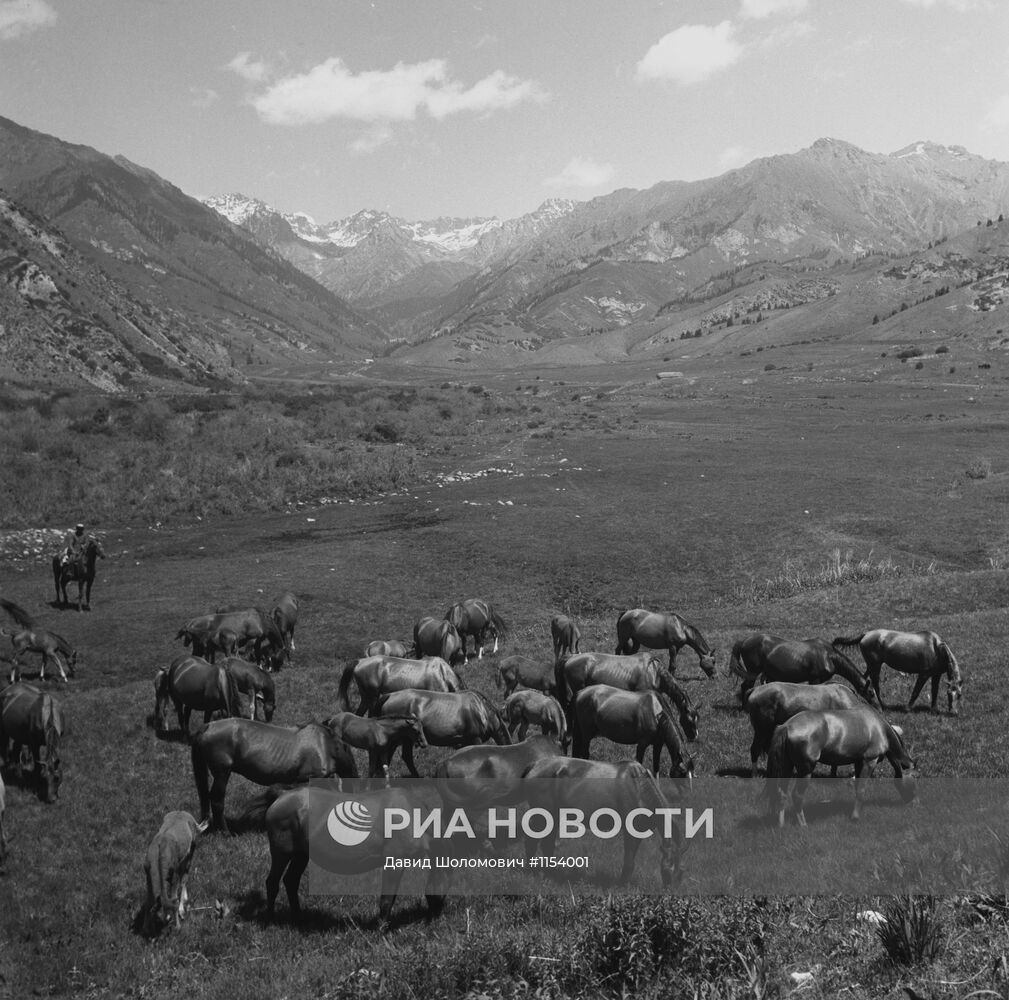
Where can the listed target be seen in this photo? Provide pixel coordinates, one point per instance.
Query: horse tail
(578, 742)
(342, 697)
(253, 816)
(228, 683)
(561, 682)
(201, 773)
(52, 735)
(499, 624)
(498, 677)
(736, 667)
(620, 644)
(844, 641)
(779, 770)
(17, 613)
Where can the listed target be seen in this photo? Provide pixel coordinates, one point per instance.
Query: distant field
(775, 501)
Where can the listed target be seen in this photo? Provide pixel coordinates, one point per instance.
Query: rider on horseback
(74, 551)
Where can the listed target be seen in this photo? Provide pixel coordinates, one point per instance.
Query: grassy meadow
(798, 505)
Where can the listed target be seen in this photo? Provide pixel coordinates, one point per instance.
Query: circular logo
(349, 823)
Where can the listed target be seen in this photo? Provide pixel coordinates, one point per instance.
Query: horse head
(94, 547)
(416, 730)
(49, 778)
(707, 661)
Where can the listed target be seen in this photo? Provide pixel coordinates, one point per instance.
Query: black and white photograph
(504, 500)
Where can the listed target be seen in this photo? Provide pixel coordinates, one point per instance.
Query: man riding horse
(74, 547)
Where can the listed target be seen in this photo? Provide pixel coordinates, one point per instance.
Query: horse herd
(412, 696)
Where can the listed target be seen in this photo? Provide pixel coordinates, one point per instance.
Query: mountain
(155, 282)
(392, 268)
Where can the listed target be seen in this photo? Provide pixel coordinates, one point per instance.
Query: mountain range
(111, 275)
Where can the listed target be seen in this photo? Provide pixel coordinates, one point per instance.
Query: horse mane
(952, 667)
(693, 634)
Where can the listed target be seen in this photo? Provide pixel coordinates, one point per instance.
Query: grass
(677, 512)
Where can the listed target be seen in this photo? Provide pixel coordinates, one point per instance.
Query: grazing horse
(859, 736)
(590, 785)
(769, 705)
(81, 571)
(52, 647)
(517, 670)
(388, 647)
(225, 631)
(191, 682)
(290, 830)
(565, 635)
(432, 637)
(533, 707)
(378, 675)
(481, 776)
(449, 719)
(285, 615)
(32, 719)
(799, 661)
(169, 855)
(476, 618)
(264, 754)
(921, 653)
(256, 684)
(640, 672)
(381, 737)
(653, 630)
(642, 718)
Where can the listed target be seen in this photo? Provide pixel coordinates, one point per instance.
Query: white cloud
(253, 70)
(581, 172)
(372, 140)
(766, 8)
(734, 156)
(19, 17)
(330, 90)
(690, 54)
(997, 116)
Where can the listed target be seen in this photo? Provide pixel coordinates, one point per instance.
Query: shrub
(920, 365)
(910, 352)
(942, 349)
(980, 468)
(911, 932)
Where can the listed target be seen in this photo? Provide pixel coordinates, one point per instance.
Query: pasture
(797, 506)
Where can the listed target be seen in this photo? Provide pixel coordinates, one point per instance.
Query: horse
(642, 718)
(449, 719)
(638, 627)
(565, 635)
(769, 705)
(533, 707)
(255, 683)
(191, 682)
(285, 615)
(264, 754)
(52, 647)
(389, 647)
(638, 672)
(476, 618)
(799, 661)
(292, 825)
(81, 571)
(169, 855)
(921, 653)
(32, 719)
(377, 675)
(224, 631)
(381, 737)
(859, 736)
(590, 785)
(484, 775)
(432, 637)
(515, 670)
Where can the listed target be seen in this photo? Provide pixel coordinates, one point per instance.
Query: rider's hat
(80, 524)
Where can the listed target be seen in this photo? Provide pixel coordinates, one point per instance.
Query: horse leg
(523, 729)
(757, 747)
(408, 759)
(918, 685)
(672, 660)
(390, 886)
(292, 880)
(217, 790)
(936, 678)
(861, 766)
(798, 793)
(631, 845)
(278, 862)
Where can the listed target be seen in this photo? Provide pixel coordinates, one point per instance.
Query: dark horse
(641, 672)
(859, 736)
(33, 720)
(265, 754)
(80, 571)
(191, 682)
(638, 627)
(378, 675)
(448, 719)
(380, 737)
(476, 618)
(256, 684)
(921, 653)
(591, 785)
(799, 661)
(285, 615)
(641, 718)
(291, 825)
(432, 637)
(519, 671)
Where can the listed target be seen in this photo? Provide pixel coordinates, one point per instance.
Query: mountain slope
(207, 285)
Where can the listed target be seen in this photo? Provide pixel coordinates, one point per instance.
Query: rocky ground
(32, 545)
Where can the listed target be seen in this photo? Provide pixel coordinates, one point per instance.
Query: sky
(428, 108)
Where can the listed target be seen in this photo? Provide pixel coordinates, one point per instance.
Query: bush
(979, 469)
(911, 932)
(910, 352)
(942, 349)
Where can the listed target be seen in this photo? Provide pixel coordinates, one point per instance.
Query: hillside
(129, 260)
